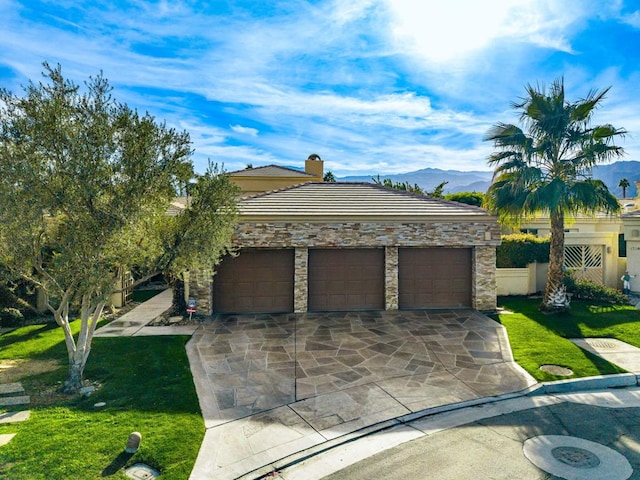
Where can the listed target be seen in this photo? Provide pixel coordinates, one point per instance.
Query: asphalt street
(494, 447)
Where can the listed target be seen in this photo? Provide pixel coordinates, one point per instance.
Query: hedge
(519, 249)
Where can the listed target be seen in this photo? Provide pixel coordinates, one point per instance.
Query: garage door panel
(346, 279)
(357, 299)
(242, 288)
(434, 277)
(256, 281)
(264, 288)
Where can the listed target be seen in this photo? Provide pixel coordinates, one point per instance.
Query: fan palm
(545, 167)
(624, 184)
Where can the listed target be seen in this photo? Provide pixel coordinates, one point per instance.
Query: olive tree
(85, 184)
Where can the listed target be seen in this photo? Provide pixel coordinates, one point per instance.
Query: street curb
(601, 382)
(591, 383)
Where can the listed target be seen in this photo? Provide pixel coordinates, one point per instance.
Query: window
(622, 246)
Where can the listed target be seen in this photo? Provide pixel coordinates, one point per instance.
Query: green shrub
(588, 290)
(470, 198)
(10, 317)
(519, 249)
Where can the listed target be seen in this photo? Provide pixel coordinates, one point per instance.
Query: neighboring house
(274, 177)
(597, 248)
(631, 231)
(353, 246)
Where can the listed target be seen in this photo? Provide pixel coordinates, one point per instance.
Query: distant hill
(614, 172)
(429, 178)
(479, 181)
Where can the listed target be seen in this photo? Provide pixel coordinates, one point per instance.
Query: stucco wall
(632, 236)
(482, 236)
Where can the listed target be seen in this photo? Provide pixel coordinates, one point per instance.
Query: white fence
(521, 281)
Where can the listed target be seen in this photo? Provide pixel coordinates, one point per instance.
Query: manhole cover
(557, 370)
(601, 343)
(140, 471)
(576, 457)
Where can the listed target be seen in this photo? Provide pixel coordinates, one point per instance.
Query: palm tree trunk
(555, 276)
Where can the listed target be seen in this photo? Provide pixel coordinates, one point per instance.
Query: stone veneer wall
(391, 288)
(355, 234)
(484, 236)
(200, 283)
(301, 280)
(484, 287)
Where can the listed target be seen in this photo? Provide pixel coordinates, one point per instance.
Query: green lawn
(538, 339)
(147, 386)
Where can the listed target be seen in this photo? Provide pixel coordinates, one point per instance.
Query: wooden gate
(585, 262)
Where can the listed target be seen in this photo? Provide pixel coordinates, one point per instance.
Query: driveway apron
(271, 386)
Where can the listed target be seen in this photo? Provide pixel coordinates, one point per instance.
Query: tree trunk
(73, 383)
(77, 351)
(555, 276)
(179, 304)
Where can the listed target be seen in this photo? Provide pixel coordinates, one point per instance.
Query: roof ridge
(272, 165)
(391, 190)
(269, 192)
(426, 197)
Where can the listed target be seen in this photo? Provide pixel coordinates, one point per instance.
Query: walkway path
(12, 395)
(134, 322)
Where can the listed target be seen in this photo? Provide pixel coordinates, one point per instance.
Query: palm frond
(591, 196)
(584, 108)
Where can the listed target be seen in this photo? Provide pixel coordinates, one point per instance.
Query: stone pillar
(201, 288)
(391, 278)
(484, 286)
(301, 280)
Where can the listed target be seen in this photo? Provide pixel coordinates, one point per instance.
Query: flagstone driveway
(272, 385)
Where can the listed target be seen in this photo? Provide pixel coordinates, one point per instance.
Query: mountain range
(479, 181)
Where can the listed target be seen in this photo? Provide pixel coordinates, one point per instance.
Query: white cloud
(632, 19)
(252, 132)
(455, 30)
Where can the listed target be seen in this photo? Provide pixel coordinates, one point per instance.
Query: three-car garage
(322, 247)
(263, 280)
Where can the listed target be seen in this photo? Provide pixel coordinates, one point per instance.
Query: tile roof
(357, 201)
(270, 171)
(177, 205)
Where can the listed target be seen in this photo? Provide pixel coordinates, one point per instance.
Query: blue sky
(372, 86)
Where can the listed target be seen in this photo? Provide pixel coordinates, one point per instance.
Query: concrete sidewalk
(134, 322)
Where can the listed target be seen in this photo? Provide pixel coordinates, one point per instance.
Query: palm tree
(329, 177)
(546, 168)
(624, 184)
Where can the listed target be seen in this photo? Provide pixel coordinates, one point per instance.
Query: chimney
(314, 166)
(637, 182)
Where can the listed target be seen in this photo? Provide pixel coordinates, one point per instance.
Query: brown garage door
(256, 281)
(346, 279)
(434, 277)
